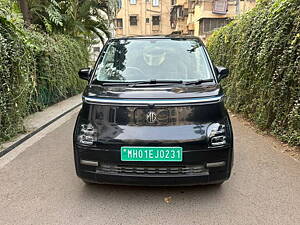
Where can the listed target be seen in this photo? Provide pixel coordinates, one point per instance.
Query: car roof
(171, 36)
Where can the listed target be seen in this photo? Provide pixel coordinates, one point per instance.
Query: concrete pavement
(40, 187)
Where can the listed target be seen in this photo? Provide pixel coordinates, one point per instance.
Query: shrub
(36, 70)
(262, 51)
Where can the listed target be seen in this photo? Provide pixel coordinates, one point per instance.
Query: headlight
(216, 134)
(87, 134)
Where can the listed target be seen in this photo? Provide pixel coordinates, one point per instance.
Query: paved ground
(40, 187)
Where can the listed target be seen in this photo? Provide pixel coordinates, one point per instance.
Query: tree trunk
(25, 11)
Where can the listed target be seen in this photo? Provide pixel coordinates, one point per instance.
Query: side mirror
(222, 72)
(85, 73)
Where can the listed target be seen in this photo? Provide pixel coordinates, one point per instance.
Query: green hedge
(262, 51)
(36, 70)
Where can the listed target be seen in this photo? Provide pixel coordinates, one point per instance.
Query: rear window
(128, 60)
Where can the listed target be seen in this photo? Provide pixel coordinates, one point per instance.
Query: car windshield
(132, 60)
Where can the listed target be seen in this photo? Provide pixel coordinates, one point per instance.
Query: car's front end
(155, 134)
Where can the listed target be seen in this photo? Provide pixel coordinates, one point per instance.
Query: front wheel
(87, 182)
(217, 184)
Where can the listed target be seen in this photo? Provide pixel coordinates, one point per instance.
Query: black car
(153, 114)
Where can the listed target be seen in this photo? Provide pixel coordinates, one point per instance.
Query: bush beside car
(36, 70)
(262, 51)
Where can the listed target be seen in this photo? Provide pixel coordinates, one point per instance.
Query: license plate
(157, 154)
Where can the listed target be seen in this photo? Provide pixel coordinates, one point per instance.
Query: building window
(191, 32)
(119, 23)
(155, 2)
(179, 12)
(155, 20)
(132, 2)
(147, 20)
(133, 20)
(119, 4)
(208, 25)
(220, 6)
(173, 2)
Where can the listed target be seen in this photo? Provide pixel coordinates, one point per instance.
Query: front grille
(195, 170)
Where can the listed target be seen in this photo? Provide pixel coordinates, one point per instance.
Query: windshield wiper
(133, 84)
(196, 82)
(110, 83)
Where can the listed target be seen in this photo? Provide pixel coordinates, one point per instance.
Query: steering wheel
(136, 73)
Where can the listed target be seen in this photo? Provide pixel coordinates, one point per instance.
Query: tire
(87, 182)
(217, 184)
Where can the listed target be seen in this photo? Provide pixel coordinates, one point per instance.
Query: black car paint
(186, 126)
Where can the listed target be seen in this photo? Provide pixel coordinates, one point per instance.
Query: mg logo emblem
(151, 117)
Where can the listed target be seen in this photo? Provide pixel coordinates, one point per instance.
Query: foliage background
(262, 51)
(36, 70)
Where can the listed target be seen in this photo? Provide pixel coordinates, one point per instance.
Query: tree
(25, 12)
(79, 18)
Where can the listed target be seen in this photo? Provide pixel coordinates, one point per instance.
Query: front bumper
(104, 166)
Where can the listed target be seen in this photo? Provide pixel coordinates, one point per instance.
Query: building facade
(193, 17)
(202, 17)
(143, 17)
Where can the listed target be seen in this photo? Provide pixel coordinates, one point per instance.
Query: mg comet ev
(153, 114)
